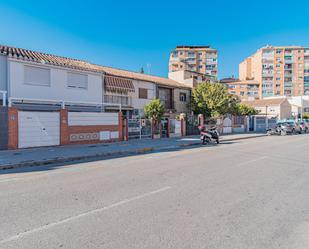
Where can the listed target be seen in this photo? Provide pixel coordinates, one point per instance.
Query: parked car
(289, 127)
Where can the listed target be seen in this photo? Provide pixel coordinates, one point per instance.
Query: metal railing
(62, 103)
(3, 93)
(118, 99)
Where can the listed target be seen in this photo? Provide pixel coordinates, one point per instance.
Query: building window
(278, 65)
(200, 66)
(77, 80)
(143, 93)
(278, 51)
(36, 76)
(183, 97)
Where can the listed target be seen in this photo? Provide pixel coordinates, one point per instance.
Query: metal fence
(139, 128)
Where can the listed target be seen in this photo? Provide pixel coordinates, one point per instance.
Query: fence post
(160, 129)
(152, 129)
(127, 129)
(168, 128)
(200, 119)
(120, 126)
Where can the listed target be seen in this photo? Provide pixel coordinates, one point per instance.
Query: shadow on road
(53, 166)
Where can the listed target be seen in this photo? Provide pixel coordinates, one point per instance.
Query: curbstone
(31, 163)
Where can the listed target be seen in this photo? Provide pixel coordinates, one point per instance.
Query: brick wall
(86, 134)
(12, 128)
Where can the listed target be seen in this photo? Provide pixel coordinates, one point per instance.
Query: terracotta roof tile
(45, 58)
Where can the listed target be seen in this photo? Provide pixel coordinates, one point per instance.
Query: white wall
(58, 89)
(138, 103)
(3, 73)
(89, 118)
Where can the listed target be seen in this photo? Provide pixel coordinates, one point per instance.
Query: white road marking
(8, 180)
(252, 161)
(72, 218)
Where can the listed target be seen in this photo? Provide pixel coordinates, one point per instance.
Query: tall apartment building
(280, 71)
(199, 59)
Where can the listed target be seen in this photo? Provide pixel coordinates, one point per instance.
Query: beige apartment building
(280, 71)
(199, 59)
(246, 90)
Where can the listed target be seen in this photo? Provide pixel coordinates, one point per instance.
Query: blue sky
(132, 34)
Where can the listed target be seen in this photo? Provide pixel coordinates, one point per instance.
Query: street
(242, 194)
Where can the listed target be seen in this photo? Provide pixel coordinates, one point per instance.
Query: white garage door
(38, 129)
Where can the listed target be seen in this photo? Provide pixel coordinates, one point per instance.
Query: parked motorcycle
(209, 135)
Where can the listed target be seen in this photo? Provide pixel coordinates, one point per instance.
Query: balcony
(118, 99)
(268, 73)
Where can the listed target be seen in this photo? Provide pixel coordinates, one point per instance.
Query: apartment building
(279, 70)
(246, 90)
(200, 59)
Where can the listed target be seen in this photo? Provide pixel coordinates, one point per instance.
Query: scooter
(209, 135)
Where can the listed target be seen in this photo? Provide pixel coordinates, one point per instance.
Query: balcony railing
(118, 99)
(3, 95)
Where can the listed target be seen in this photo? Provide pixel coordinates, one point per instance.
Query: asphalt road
(247, 194)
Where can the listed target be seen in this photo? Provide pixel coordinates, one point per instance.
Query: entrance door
(37, 129)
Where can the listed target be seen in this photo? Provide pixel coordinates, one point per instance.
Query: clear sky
(131, 34)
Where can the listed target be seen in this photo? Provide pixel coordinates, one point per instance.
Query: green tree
(245, 110)
(213, 99)
(154, 110)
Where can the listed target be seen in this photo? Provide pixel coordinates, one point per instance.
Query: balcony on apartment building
(267, 73)
(191, 55)
(288, 53)
(288, 59)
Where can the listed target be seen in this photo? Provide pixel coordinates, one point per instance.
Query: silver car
(290, 127)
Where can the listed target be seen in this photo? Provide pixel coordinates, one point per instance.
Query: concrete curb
(109, 154)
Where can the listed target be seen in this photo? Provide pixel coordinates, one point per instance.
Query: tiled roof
(265, 102)
(44, 58)
(228, 80)
(142, 77)
(243, 82)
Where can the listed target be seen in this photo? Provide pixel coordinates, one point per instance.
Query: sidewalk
(61, 154)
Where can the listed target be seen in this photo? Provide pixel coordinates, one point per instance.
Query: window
(77, 80)
(278, 65)
(278, 51)
(183, 97)
(36, 76)
(200, 66)
(143, 93)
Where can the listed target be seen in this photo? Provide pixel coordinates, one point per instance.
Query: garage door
(38, 129)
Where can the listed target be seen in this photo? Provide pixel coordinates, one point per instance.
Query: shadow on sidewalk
(54, 166)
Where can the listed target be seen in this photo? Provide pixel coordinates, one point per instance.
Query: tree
(154, 110)
(142, 70)
(245, 110)
(213, 99)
